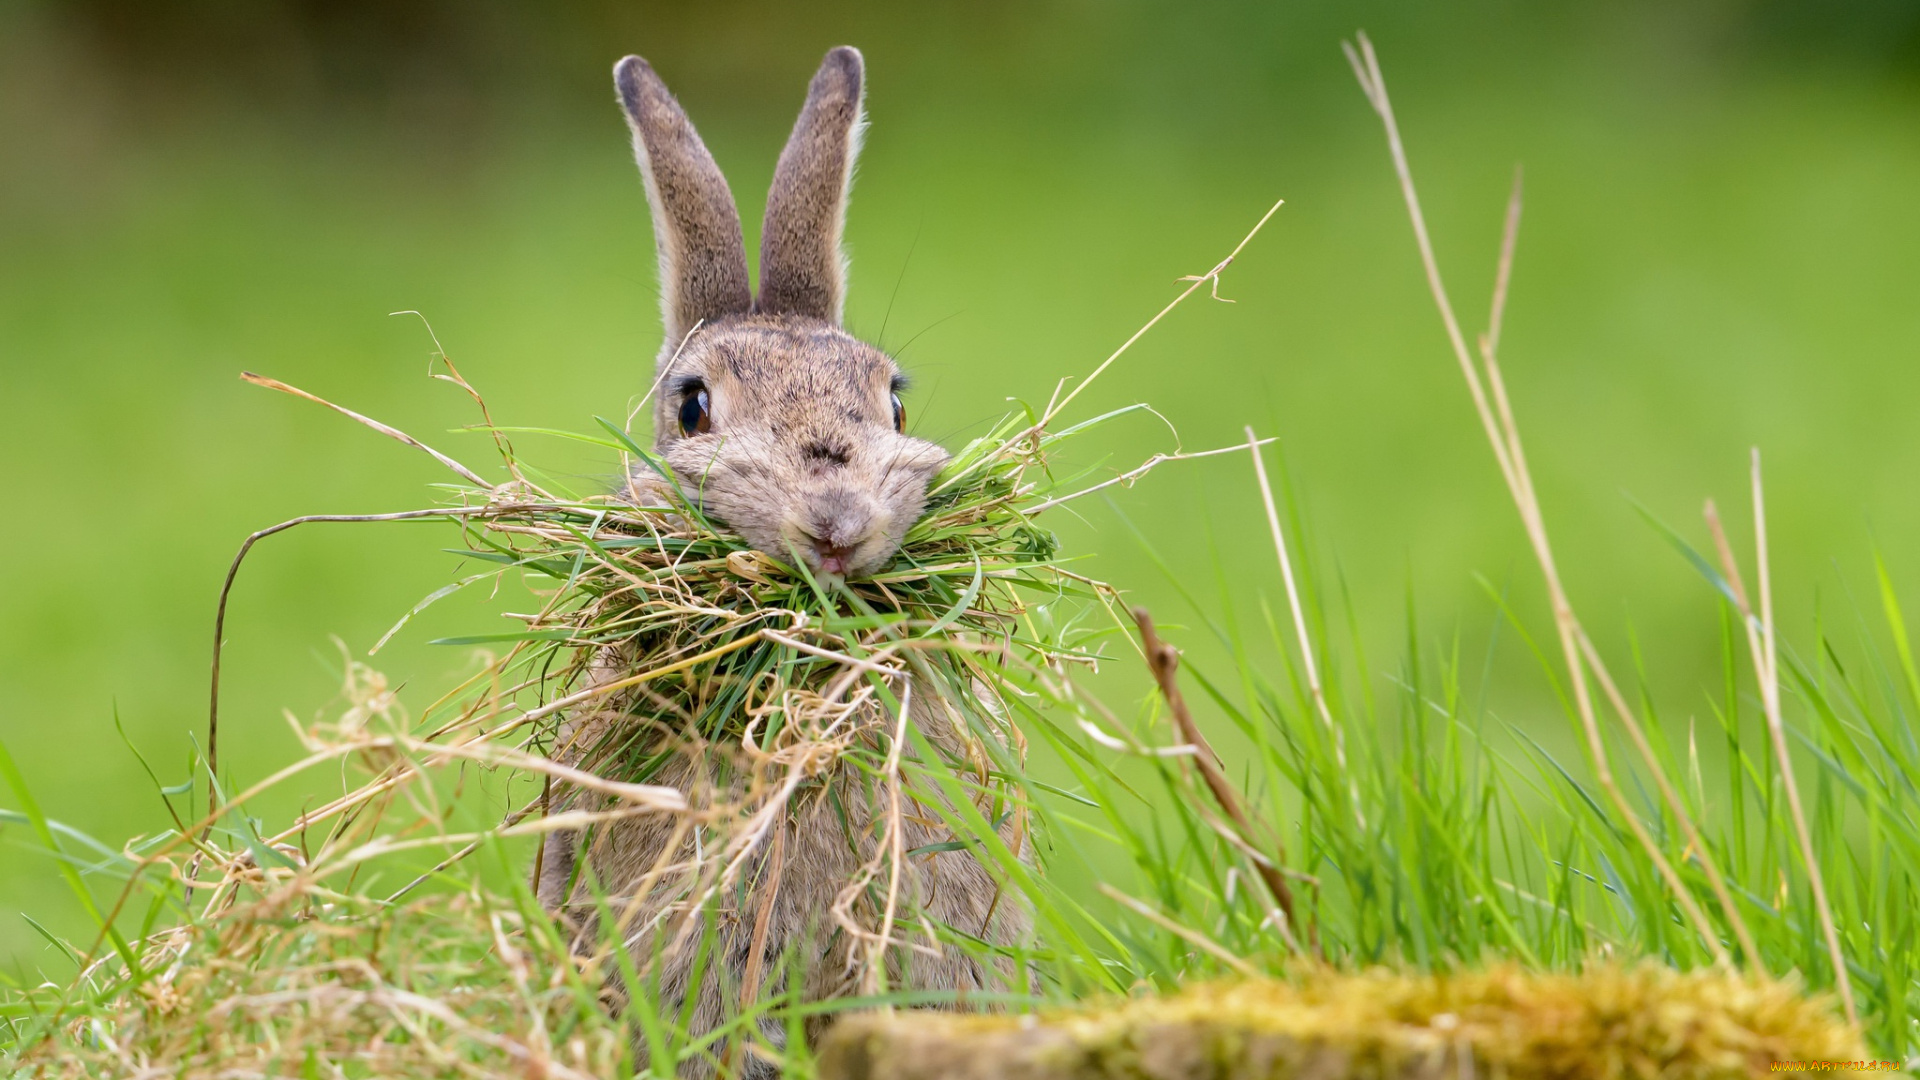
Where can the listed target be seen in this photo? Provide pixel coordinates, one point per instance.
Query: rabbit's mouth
(840, 532)
(838, 554)
(832, 558)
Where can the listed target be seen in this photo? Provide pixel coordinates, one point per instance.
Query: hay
(1607, 1023)
(733, 646)
(300, 982)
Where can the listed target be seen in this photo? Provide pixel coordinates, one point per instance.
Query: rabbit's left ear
(802, 269)
(696, 230)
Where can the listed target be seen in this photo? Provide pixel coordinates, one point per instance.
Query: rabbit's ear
(703, 260)
(802, 271)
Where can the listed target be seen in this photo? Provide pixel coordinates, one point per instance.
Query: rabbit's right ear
(696, 229)
(802, 269)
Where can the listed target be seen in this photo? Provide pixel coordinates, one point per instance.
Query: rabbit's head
(772, 417)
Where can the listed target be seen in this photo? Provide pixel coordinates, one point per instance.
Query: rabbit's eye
(899, 415)
(694, 418)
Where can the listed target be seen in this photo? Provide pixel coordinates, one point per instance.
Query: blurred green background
(1721, 249)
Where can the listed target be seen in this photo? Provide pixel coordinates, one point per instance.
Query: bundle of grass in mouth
(780, 702)
(765, 782)
(741, 647)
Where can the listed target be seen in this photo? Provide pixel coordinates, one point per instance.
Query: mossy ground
(1607, 1023)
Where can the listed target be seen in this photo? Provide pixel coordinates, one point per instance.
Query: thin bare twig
(1164, 661)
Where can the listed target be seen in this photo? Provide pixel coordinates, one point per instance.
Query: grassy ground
(1718, 253)
(1316, 825)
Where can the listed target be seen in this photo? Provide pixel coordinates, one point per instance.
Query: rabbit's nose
(834, 526)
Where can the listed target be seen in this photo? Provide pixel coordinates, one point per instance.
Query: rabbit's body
(785, 895)
(790, 431)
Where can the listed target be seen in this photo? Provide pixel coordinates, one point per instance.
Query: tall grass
(1295, 807)
(1420, 829)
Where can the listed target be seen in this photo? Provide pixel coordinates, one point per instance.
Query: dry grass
(295, 981)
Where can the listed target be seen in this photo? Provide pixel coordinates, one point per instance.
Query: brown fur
(696, 230)
(803, 450)
(803, 460)
(806, 864)
(802, 270)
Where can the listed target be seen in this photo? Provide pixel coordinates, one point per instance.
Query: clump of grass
(287, 979)
(290, 953)
(1610, 1022)
(730, 644)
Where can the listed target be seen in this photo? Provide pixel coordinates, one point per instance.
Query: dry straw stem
(1489, 344)
(1606, 1023)
(1127, 478)
(465, 473)
(1503, 434)
(1300, 630)
(1760, 643)
(1059, 404)
(1185, 933)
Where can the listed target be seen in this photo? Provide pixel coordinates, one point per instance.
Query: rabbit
(790, 431)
